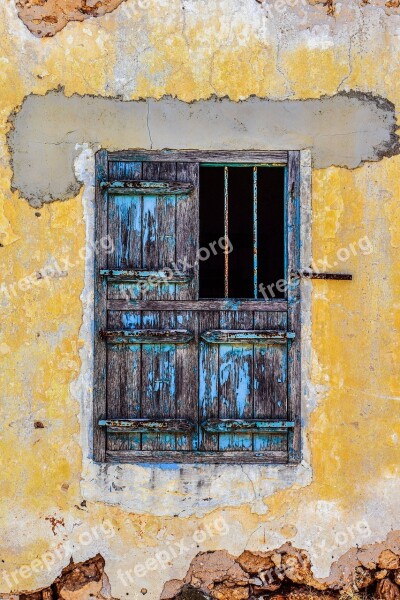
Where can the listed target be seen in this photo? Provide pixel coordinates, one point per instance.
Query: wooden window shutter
(177, 378)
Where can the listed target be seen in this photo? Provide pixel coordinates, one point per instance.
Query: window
(197, 327)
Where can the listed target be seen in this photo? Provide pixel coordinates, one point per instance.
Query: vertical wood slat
(294, 303)
(124, 171)
(187, 230)
(123, 382)
(149, 375)
(208, 380)
(124, 226)
(235, 371)
(270, 381)
(100, 322)
(187, 379)
(159, 235)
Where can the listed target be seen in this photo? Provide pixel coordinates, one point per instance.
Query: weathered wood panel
(222, 156)
(196, 380)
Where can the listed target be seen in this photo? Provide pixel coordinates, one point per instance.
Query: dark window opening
(242, 239)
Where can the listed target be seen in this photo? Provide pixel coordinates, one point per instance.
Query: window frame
(292, 305)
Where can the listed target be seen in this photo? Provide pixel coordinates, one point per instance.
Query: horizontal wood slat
(158, 276)
(246, 425)
(200, 305)
(203, 156)
(224, 336)
(182, 456)
(148, 425)
(150, 188)
(148, 336)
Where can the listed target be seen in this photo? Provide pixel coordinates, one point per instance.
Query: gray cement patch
(343, 130)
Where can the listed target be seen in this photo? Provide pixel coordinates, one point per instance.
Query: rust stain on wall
(45, 18)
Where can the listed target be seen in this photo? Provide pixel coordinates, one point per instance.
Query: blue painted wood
(145, 188)
(220, 336)
(246, 425)
(125, 231)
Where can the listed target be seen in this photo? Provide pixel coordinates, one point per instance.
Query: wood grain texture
(202, 305)
(100, 321)
(234, 458)
(294, 304)
(203, 156)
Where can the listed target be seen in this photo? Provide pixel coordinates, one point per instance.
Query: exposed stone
(171, 589)
(396, 576)
(254, 562)
(45, 19)
(381, 574)
(363, 577)
(76, 576)
(387, 590)
(297, 568)
(389, 560)
(276, 559)
(210, 568)
(189, 593)
(225, 592)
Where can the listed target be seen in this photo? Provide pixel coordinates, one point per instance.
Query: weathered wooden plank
(187, 374)
(208, 156)
(166, 239)
(187, 230)
(234, 458)
(158, 382)
(123, 393)
(270, 381)
(220, 336)
(100, 321)
(125, 229)
(156, 277)
(202, 305)
(151, 188)
(294, 303)
(246, 425)
(208, 379)
(158, 230)
(123, 382)
(147, 336)
(148, 425)
(122, 170)
(235, 374)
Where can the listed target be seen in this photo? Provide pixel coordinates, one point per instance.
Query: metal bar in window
(255, 237)
(226, 233)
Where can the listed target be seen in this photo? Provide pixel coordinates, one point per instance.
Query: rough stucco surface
(342, 130)
(51, 500)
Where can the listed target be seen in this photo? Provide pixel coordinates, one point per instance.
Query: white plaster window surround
(184, 489)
